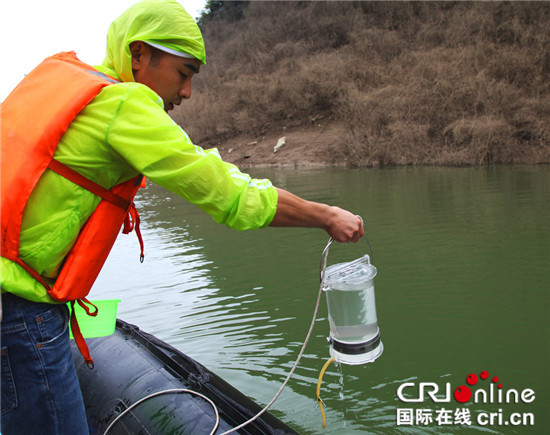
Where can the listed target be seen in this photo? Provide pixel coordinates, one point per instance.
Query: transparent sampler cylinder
(354, 331)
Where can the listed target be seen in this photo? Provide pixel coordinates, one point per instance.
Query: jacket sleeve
(149, 140)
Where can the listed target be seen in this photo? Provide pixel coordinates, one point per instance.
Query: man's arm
(293, 211)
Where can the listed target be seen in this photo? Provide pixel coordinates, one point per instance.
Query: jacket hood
(162, 22)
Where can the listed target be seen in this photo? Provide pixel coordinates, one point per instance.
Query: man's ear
(138, 49)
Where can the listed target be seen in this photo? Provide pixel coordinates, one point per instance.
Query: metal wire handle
(324, 255)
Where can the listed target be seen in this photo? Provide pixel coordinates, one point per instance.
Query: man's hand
(344, 226)
(293, 211)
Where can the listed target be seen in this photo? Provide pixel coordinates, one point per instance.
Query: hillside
(374, 83)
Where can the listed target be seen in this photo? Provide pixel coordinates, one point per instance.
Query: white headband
(169, 50)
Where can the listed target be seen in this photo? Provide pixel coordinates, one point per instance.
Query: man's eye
(183, 75)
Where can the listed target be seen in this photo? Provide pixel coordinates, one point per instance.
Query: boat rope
(299, 355)
(158, 393)
(319, 400)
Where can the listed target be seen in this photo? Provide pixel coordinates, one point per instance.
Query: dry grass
(445, 83)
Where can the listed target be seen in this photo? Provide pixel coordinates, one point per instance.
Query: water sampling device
(354, 333)
(349, 287)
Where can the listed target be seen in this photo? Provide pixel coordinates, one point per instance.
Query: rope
(158, 393)
(295, 363)
(324, 265)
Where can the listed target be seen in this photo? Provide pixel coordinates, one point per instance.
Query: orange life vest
(30, 134)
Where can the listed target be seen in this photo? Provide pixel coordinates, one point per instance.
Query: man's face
(168, 75)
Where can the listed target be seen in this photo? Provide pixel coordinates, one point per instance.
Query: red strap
(83, 303)
(87, 184)
(132, 218)
(32, 272)
(79, 339)
(131, 222)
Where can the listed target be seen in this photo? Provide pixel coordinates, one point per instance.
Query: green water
(463, 260)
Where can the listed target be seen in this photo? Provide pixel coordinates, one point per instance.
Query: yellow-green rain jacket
(122, 132)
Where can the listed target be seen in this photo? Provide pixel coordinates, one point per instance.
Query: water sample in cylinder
(354, 332)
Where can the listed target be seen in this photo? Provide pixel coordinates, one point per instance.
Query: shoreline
(316, 146)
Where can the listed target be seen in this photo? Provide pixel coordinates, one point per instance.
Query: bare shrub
(412, 82)
(487, 139)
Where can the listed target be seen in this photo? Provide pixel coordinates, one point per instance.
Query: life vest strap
(79, 338)
(87, 184)
(84, 304)
(31, 272)
(131, 222)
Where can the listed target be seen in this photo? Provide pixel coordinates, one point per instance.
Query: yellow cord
(319, 400)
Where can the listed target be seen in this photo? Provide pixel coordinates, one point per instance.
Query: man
(154, 49)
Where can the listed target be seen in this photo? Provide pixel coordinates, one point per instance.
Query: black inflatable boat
(140, 385)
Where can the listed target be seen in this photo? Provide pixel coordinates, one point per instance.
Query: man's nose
(185, 91)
